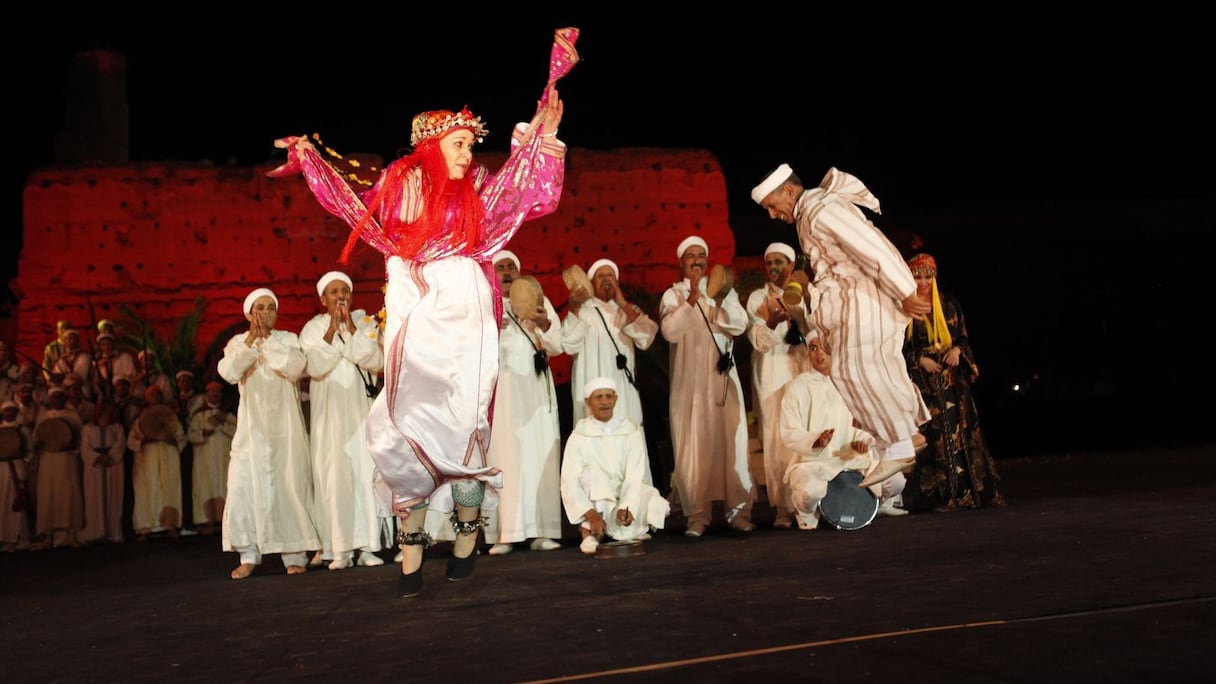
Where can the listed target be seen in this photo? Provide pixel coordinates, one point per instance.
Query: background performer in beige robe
(775, 330)
(708, 417)
(525, 438)
(210, 433)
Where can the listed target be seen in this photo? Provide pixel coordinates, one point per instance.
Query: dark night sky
(1005, 109)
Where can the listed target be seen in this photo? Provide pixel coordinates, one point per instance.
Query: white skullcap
(780, 248)
(145, 353)
(505, 254)
(326, 280)
(771, 183)
(70, 331)
(8, 405)
(180, 373)
(605, 262)
(598, 383)
(689, 242)
(256, 295)
(105, 336)
(56, 390)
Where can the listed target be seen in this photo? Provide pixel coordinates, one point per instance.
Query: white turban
(605, 262)
(780, 248)
(257, 294)
(689, 242)
(598, 383)
(771, 183)
(505, 254)
(326, 280)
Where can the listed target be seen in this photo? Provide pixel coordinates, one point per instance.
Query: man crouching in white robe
(604, 468)
(818, 427)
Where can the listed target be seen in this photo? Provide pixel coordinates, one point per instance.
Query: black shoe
(461, 568)
(409, 585)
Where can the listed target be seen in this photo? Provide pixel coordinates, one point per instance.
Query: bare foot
(296, 569)
(243, 570)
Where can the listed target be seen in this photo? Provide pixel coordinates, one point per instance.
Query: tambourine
(157, 423)
(721, 280)
(55, 434)
(848, 507)
(792, 296)
(575, 277)
(526, 296)
(619, 549)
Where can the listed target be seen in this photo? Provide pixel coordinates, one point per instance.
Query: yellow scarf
(939, 334)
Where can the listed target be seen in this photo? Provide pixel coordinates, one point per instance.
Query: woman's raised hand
(553, 111)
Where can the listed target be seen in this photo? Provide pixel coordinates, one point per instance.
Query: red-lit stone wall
(156, 237)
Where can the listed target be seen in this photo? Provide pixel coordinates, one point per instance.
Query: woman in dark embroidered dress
(956, 470)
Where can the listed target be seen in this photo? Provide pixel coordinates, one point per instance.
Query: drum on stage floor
(848, 506)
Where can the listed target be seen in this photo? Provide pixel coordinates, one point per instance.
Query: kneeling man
(604, 470)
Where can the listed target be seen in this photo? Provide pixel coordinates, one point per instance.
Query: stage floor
(1100, 569)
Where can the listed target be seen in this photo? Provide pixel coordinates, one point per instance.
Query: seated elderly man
(603, 479)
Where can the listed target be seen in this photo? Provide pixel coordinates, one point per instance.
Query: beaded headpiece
(935, 323)
(923, 263)
(429, 125)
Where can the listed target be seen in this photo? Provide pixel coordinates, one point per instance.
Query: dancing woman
(438, 218)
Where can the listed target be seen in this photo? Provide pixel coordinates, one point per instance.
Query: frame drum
(575, 276)
(526, 296)
(54, 434)
(846, 505)
(792, 294)
(721, 280)
(156, 424)
(619, 549)
(10, 443)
